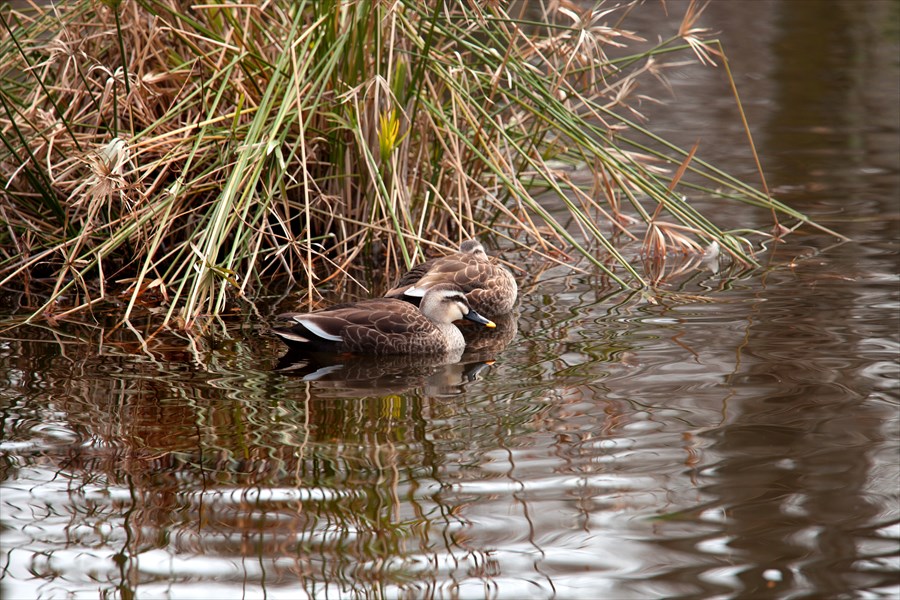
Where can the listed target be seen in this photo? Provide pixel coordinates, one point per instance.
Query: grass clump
(180, 155)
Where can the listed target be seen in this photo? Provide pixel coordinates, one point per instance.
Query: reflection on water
(614, 448)
(360, 375)
(439, 375)
(740, 444)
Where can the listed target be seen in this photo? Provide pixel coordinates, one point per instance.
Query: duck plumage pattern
(384, 325)
(490, 288)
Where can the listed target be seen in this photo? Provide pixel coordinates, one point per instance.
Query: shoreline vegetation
(181, 156)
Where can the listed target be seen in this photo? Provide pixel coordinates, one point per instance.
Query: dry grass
(179, 156)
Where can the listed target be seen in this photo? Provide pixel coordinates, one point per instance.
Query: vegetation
(182, 154)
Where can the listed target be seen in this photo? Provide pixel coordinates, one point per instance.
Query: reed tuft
(160, 153)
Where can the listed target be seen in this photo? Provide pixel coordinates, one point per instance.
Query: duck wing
(464, 270)
(412, 276)
(365, 326)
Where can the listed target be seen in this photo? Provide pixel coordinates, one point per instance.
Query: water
(739, 439)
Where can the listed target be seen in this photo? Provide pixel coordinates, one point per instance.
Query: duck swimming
(384, 325)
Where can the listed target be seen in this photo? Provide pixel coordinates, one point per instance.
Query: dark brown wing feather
(413, 275)
(457, 268)
(378, 325)
(489, 288)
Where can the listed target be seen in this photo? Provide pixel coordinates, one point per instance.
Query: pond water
(738, 439)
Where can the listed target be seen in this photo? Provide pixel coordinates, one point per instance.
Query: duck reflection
(355, 375)
(346, 374)
(490, 342)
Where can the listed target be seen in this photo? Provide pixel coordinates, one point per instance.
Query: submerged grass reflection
(207, 453)
(610, 435)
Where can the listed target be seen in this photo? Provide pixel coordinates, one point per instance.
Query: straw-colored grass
(183, 153)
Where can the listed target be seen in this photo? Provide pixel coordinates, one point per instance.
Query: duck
(490, 288)
(384, 326)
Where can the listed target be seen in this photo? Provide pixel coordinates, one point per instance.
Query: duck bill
(475, 317)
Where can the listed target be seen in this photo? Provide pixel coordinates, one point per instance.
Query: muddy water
(739, 440)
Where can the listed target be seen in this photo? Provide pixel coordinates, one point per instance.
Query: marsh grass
(180, 156)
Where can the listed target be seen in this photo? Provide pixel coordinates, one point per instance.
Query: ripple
(184, 566)
(594, 482)
(257, 495)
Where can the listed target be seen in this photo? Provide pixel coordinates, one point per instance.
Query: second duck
(489, 288)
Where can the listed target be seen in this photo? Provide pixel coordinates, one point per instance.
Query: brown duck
(384, 325)
(489, 288)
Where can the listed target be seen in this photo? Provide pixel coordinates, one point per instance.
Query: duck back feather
(490, 288)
